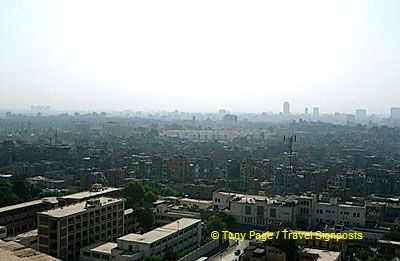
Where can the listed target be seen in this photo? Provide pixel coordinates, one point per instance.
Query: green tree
(215, 223)
(7, 195)
(141, 199)
(358, 252)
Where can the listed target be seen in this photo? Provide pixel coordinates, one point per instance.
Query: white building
(254, 210)
(260, 211)
(168, 239)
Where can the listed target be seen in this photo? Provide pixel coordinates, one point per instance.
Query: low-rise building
(257, 211)
(22, 217)
(389, 249)
(163, 241)
(305, 211)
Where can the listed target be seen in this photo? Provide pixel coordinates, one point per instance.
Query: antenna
(291, 154)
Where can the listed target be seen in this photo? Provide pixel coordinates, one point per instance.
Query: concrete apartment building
(168, 239)
(22, 217)
(260, 211)
(64, 231)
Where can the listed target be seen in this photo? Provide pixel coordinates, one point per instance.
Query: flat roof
(248, 198)
(324, 255)
(77, 208)
(31, 233)
(397, 243)
(198, 201)
(161, 232)
(128, 211)
(28, 204)
(101, 247)
(90, 194)
(12, 251)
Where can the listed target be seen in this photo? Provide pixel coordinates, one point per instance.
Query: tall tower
(315, 112)
(286, 108)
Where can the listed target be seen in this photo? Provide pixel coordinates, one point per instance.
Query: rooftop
(161, 232)
(247, 198)
(101, 247)
(77, 208)
(91, 194)
(12, 251)
(31, 233)
(324, 255)
(389, 242)
(29, 204)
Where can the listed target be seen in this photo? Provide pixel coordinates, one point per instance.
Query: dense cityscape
(181, 130)
(153, 186)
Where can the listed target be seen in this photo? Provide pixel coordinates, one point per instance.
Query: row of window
(320, 211)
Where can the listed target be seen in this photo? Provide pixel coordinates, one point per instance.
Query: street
(229, 253)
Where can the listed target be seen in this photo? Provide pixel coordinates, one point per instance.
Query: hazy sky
(200, 55)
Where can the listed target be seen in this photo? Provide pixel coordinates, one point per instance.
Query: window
(248, 210)
(272, 212)
(260, 211)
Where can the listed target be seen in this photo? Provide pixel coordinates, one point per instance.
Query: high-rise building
(306, 111)
(286, 108)
(64, 231)
(395, 112)
(315, 112)
(361, 113)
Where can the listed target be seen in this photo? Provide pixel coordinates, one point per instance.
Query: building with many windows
(305, 210)
(63, 231)
(22, 217)
(169, 239)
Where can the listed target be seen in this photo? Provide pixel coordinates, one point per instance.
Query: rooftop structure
(77, 208)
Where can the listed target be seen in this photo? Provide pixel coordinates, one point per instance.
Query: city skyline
(336, 55)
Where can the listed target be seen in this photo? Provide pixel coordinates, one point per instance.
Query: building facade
(63, 231)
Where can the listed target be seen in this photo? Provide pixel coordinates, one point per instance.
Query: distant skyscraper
(361, 113)
(395, 112)
(315, 112)
(306, 111)
(286, 108)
